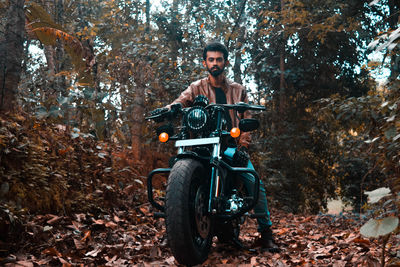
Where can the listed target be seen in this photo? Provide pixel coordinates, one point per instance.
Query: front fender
(193, 155)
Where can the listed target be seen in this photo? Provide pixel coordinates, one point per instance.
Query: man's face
(215, 63)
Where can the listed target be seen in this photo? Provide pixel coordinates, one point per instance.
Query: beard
(215, 71)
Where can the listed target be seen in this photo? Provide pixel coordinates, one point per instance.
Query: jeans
(248, 180)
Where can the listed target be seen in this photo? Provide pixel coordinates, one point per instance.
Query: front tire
(189, 227)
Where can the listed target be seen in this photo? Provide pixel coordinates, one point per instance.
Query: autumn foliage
(77, 78)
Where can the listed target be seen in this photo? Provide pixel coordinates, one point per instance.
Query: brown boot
(267, 241)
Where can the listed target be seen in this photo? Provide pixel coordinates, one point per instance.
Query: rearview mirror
(247, 125)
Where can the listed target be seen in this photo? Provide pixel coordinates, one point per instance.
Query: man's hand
(241, 157)
(158, 111)
(176, 108)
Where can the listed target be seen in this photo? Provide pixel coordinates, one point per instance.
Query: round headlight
(197, 118)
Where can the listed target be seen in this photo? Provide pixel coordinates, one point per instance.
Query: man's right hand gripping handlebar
(158, 111)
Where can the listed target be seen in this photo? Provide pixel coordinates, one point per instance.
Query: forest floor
(128, 235)
(102, 216)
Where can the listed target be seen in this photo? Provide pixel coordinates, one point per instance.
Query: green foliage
(385, 219)
(376, 228)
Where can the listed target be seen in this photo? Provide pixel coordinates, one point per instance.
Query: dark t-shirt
(220, 95)
(221, 99)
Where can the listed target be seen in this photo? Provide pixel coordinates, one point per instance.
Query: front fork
(215, 178)
(216, 163)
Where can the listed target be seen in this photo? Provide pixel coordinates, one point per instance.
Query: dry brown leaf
(64, 262)
(155, 252)
(54, 219)
(170, 260)
(361, 241)
(308, 219)
(144, 210)
(94, 252)
(339, 263)
(24, 264)
(52, 252)
(117, 219)
(111, 225)
(76, 225)
(100, 222)
(86, 236)
(80, 217)
(316, 237)
(79, 244)
(282, 231)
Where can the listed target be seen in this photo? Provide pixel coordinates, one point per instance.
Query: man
(218, 89)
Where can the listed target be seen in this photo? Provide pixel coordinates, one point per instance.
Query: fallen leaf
(24, 264)
(308, 219)
(79, 244)
(361, 241)
(144, 210)
(155, 252)
(76, 225)
(282, 231)
(94, 252)
(111, 225)
(99, 222)
(64, 262)
(116, 219)
(47, 228)
(316, 237)
(52, 252)
(339, 263)
(170, 260)
(86, 236)
(54, 219)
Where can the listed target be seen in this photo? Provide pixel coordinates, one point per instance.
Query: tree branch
(236, 24)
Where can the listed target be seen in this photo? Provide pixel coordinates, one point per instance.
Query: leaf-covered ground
(128, 235)
(102, 218)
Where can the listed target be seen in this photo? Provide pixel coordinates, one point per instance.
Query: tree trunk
(174, 29)
(142, 74)
(237, 72)
(147, 16)
(282, 91)
(11, 53)
(394, 20)
(137, 122)
(49, 97)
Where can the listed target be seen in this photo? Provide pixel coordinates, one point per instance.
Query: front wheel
(189, 227)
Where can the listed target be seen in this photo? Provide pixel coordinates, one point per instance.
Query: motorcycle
(204, 196)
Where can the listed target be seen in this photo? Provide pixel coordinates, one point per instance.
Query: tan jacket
(234, 93)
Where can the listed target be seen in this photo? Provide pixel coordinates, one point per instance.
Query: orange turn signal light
(163, 137)
(235, 132)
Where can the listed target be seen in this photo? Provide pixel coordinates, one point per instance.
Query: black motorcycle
(204, 196)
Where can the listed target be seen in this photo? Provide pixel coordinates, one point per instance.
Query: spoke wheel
(203, 221)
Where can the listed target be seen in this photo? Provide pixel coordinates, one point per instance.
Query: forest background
(77, 78)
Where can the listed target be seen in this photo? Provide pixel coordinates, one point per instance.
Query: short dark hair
(215, 46)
